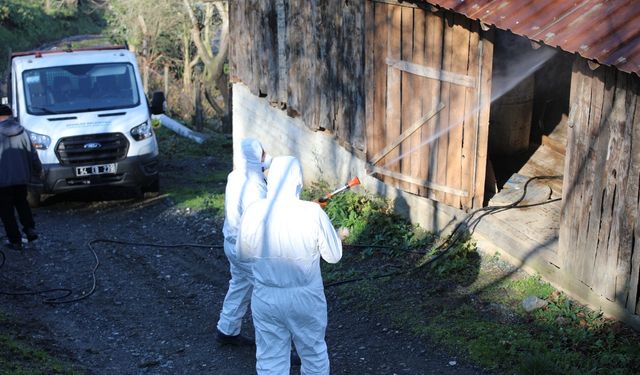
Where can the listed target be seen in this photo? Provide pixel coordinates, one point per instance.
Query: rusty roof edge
(485, 12)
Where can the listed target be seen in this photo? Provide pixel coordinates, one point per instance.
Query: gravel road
(154, 309)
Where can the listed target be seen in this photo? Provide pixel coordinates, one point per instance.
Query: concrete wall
(322, 158)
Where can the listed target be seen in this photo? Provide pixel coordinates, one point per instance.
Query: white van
(88, 117)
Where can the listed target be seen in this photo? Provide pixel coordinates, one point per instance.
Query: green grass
(25, 26)
(467, 304)
(199, 200)
(190, 183)
(173, 145)
(19, 356)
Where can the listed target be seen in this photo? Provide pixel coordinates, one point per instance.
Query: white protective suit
(285, 237)
(245, 185)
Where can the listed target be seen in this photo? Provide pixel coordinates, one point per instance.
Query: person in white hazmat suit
(285, 237)
(245, 185)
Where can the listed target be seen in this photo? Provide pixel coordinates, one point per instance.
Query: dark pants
(15, 198)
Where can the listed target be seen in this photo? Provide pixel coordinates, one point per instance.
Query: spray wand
(354, 181)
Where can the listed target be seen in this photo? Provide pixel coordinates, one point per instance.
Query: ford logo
(92, 146)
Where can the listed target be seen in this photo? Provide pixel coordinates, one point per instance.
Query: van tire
(152, 190)
(34, 198)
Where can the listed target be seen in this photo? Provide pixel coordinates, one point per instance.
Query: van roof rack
(39, 53)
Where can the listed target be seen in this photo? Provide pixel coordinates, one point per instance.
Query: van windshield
(80, 88)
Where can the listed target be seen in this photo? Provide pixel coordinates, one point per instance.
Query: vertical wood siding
(602, 170)
(424, 62)
(323, 57)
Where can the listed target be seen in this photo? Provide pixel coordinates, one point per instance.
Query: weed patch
(18, 356)
(192, 176)
(175, 146)
(465, 302)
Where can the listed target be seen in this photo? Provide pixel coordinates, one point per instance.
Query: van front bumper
(134, 171)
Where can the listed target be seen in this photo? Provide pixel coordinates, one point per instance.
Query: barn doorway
(531, 87)
(530, 106)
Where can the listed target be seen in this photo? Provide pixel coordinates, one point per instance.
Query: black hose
(438, 251)
(97, 264)
(67, 292)
(454, 236)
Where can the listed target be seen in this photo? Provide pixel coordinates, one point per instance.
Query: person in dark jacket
(18, 163)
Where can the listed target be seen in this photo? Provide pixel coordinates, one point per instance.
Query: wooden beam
(397, 3)
(419, 181)
(416, 125)
(428, 72)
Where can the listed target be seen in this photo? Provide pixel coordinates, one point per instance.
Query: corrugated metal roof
(605, 31)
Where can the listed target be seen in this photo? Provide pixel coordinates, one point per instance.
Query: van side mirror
(157, 103)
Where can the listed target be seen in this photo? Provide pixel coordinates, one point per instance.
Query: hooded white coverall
(285, 237)
(245, 185)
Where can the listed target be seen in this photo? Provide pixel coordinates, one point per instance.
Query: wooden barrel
(510, 119)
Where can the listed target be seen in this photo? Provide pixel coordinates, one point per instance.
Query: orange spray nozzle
(354, 181)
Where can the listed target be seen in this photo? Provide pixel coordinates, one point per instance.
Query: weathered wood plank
(397, 3)
(633, 304)
(443, 135)
(323, 19)
(455, 126)
(431, 73)
(351, 76)
(600, 213)
(381, 16)
(281, 35)
(470, 129)
(586, 142)
(269, 71)
(417, 56)
(406, 133)
(417, 181)
(629, 198)
(299, 63)
(407, 97)
(394, 100)
(573, 169)
(485, 68)
(618, 147)
(369, 75)
(433, 54)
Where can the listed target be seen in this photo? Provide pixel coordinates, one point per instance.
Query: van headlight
(142, 131)
(39, 141)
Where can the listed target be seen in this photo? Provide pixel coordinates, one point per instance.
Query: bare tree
(216, 83)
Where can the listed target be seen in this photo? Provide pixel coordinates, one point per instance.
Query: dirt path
(154, 310)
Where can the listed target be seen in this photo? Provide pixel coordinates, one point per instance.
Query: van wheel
(34, 198)
(152, 190)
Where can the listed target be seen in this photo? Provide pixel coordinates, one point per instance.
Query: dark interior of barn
(529, 112)
(528, 133)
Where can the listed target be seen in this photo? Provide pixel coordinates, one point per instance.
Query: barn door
(428, 77)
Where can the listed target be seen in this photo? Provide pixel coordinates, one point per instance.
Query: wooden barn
(449, 106)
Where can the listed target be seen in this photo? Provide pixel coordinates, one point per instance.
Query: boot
(31, 234)
(237, 340)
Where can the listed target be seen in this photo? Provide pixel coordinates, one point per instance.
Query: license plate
(96, 169)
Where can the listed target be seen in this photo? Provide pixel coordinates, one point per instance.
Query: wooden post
(166, 81)
(197, 105)
(145, 67)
